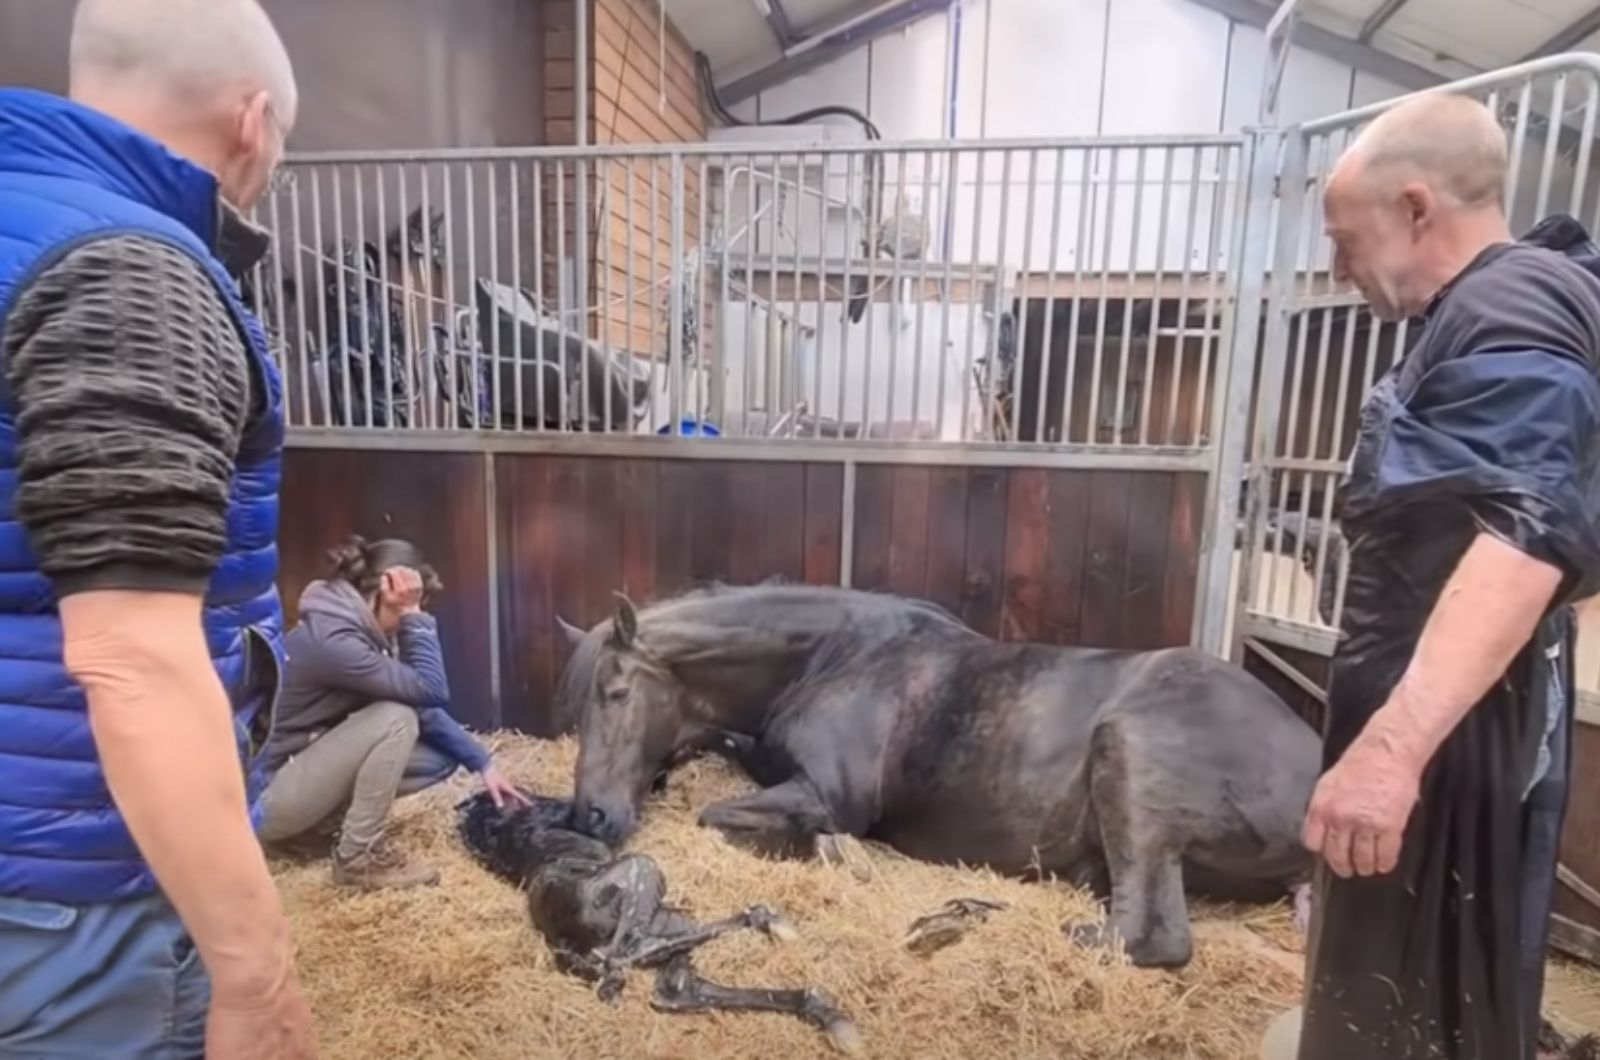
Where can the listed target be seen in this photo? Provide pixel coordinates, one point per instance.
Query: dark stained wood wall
(1106, 558)
(573, 531)
(435, 500)
(1580, 839)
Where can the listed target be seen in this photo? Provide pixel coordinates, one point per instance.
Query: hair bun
(350, 560)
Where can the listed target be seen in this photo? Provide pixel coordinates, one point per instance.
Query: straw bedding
(456, 971)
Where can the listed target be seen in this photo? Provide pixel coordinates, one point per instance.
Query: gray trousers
(356, 769)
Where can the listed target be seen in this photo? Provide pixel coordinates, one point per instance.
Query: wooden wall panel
(1580, 840)
(1103, 558)
(1065, 557)
(434, 500)
(575, 530)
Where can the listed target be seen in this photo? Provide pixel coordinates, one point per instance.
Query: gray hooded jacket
(339, 662)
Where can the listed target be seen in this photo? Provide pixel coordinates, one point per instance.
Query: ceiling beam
(826, 45)
(777, 17)
(1568, 38)
(1324, 42)
(1378, 19)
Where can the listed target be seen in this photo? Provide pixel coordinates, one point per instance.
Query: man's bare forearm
(1486, 614)
(163, 729)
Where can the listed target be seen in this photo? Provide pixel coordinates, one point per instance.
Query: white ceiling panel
(1353, 11)
(1484, 33)
(732, 33)
(808, 14)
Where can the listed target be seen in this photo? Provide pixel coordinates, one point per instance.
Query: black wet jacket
(1490, 423)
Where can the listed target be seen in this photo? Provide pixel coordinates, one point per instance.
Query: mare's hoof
(1154, 952)
(932, 933)
(840, 850)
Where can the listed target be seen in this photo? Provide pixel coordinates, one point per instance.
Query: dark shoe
(382, 866)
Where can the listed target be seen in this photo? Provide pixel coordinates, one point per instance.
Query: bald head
(1450, 143)
(1415, 199)
(207, 77)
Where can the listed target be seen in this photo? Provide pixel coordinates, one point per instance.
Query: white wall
(1029, 68)
(992, 69)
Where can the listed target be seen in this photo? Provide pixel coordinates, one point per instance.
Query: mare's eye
(616, 695)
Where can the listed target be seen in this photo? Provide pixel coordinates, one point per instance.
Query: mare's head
(633, 714)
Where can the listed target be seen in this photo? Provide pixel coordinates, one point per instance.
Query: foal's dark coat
(1133, 772)
(602, 914)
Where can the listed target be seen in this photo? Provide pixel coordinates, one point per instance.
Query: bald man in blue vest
(140, 438)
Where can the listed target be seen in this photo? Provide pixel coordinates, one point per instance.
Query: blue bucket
(689, 427)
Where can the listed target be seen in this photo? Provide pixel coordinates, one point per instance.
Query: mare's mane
(886, 615)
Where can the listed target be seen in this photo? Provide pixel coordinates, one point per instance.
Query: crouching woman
(364, 716)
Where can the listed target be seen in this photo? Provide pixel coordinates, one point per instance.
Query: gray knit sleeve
(131, 386)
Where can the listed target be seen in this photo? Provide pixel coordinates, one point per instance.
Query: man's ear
(1420, 204)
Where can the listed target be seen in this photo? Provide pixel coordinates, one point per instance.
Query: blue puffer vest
(68, 176)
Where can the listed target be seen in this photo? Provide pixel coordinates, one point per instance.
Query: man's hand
(165, 736)
(273, 1026)
(1485, 615)
(1359, 811)
(501, 790)
(401, 593)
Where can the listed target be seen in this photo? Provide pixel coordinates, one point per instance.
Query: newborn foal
(602, 914)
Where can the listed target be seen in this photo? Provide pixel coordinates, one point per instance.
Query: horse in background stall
(1137, 774)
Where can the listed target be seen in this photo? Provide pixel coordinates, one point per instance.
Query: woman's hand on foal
(402, 590)
(501, 790)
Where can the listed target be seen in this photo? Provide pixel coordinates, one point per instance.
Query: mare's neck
(741, 672)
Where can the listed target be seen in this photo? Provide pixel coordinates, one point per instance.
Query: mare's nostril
(597, 820)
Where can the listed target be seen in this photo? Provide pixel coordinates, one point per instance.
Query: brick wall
(642, 90)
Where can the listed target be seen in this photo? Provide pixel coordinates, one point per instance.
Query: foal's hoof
(840, 850)
(843, 1036)
(610, 985)
(936, 931)
(821, 1011)
(771, 924)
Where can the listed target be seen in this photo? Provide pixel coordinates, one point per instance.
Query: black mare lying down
(1138, 774)
(601, 915)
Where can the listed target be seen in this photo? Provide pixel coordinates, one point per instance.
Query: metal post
(1280, 34)
(491, 503)
(580, 64)
(847, 526)
(1232, 401)
(580, 252)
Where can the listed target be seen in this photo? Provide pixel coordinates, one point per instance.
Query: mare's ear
(573, 634)
(625, 629)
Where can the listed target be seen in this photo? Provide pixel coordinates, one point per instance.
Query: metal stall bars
(1322, 350)
(1052, 303)
(1029, 301)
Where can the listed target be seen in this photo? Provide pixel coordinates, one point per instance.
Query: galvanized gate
(1321, 350)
